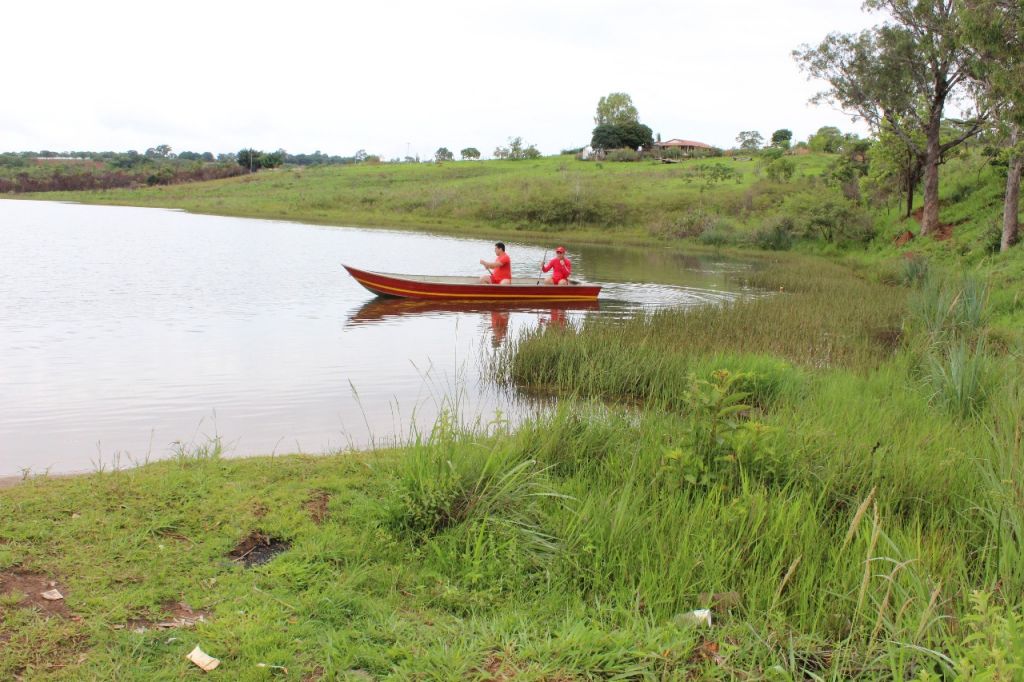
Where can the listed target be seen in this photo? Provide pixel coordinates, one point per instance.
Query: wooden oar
(542, 266)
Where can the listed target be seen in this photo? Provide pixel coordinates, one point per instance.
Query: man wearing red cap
(560, 267)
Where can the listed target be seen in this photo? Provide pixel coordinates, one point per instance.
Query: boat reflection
(497, 314)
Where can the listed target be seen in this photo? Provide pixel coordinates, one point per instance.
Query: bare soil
(32, 586)
(316, 506)
(257, 548)
(178, 615)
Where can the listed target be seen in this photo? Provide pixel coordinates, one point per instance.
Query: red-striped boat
(440, 288)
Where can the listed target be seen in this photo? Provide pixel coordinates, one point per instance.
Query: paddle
(542, 266)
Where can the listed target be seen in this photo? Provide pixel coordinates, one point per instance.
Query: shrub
(623, 155)
(913, 270)
(831, 217)
(781, 170)
(720, 233)
(959, 377)
(722, 445)
(446, 484)
(775, 235)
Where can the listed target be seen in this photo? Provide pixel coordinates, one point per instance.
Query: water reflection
(496, 316)
(380, 309)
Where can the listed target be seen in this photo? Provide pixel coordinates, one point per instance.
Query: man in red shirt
(500, 268)
(560, 267)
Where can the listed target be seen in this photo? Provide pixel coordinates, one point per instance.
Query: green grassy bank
(604, 201)
(843, 493)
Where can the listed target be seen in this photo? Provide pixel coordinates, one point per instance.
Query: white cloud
(340, 76)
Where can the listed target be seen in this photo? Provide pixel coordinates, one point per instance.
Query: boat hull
(464, 289)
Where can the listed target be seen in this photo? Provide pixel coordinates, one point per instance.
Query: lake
(127, 333)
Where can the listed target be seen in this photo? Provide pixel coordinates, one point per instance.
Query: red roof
(676, 142)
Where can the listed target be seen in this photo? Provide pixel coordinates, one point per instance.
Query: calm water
(126, 330)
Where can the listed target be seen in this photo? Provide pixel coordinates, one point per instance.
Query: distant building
(685, 146)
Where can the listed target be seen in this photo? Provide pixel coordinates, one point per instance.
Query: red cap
(560, 249)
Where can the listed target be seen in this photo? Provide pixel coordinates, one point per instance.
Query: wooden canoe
(440, 288)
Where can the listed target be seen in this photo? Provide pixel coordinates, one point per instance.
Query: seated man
(560, 266)
(500, 268)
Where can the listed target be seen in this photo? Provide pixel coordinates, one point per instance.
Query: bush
(913, 270)
(719, 234)
(775, 235)
(623, 155)
(689, 224)
(446, 484)
(781, 170)
(831, 217)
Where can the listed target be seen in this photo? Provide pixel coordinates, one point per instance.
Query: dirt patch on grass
(257, 548)
(903, 237)
(178, 615)
(316, 506)
(32, 586)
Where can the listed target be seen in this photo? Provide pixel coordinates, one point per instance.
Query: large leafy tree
(616, 109)
(782, 138)
(827, 139)
(994, 30)
(903, 73)
(631, 134)
(750, 140)
(470, 153)
(443, 154)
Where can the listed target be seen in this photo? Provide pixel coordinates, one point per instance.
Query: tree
(470, 153)
(903, 73)
(516, 150)
(617, 108)
(630, 135)
(782, 138)
(994, 31)
(892, 159)
(828, 139)
(636, 134)
(442, 154)
(607, 136)
(250, 158)
(272, 159)
(750, 140)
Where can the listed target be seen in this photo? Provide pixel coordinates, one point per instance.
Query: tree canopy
(903, 73)
(750, 140)
(631, 135)
(616, 109)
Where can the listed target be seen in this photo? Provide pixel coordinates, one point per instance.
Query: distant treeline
(50, 171)
(57, 177)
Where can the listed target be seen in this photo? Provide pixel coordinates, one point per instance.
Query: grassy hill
(835, 471)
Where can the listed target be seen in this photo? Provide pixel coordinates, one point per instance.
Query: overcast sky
(389, 75)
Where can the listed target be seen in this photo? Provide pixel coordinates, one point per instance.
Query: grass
(859, 529)
(597, 201)
(833, 466)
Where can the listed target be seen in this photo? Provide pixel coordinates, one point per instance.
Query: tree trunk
(933, 157)
(911, 172)
(1011, 203)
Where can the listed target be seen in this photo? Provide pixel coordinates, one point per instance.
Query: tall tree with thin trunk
(904, 73)
(994, 29)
